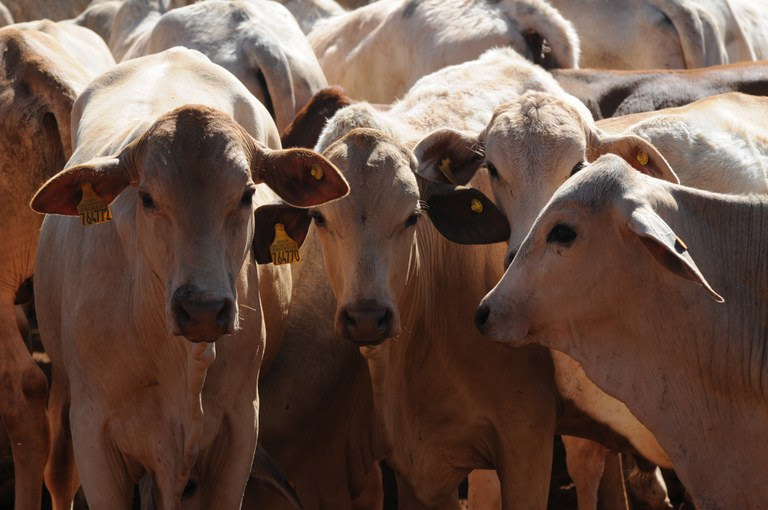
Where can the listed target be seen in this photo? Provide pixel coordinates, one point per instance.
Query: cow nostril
(508, 259)
(182, 317)
(481, 316)
(384, 321)
(222, 318)
(347, 319)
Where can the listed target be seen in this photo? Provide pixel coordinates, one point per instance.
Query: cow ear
(463, 215)
(637, 152)
(295, 220)
(301, 177)
(668, 249)
(449, 156)
(108, 176)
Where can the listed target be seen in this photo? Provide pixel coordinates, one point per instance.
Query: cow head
(193, 179)
(369, 238)
(599, 259)
(531, 146)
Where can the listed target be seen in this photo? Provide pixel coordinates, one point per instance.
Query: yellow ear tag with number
(92, 208)
(476, 205)
(642, 158)
(284, 250)
(316, 172)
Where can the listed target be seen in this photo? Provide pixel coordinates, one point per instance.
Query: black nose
(481, 317)
(200, 317)
(508, 259)
(368, 324)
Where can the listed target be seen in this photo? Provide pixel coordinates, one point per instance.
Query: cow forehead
(379, 171)
(196, 143)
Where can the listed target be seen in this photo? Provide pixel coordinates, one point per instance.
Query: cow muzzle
(200, 316)
(366, 323)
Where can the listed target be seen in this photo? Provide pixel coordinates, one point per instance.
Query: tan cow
(39, 80)
(627, 261)
(31, 10)
(672, 34)
(129, 309)
(377, 52)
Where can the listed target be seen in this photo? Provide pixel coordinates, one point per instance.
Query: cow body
(610, 93)
(40, 80)
(276, 64)
(137, 396)
(667, 34)
(698, 360)
(350, 46)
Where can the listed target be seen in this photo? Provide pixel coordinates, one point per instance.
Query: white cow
(627, 262)
(650, 34)
(99, 17)
(31, 10)
(257, 40)
(383, 273)
(377, 52)
(129, 309)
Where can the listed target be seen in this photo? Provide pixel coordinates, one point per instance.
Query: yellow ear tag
(92, 208)
(284, 250)
(316, 172)
(680, 244)
(476, 205)
(642, 158)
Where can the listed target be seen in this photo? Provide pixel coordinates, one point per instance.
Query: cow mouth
(362, 342)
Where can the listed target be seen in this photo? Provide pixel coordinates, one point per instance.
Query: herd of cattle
(514, 219)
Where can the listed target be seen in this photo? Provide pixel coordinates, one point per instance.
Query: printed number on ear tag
(284, 250)
(92, 208)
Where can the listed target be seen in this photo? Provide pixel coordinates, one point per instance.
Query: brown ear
(449, 156)
(108, 176)
(637, 152)
(463, 215)
(301, 177)
(668, 249)
(295, 220)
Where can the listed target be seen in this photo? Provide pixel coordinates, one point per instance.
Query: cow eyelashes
(146, 200)
(247, 198)
(412, 219)
(578, 166)
(492, 169)
(318, 218)
(561, 234)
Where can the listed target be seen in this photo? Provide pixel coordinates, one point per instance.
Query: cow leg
(585, 461)
(60, 472)
(526, 469)
(23, 392)
(612, 494)
(484, 490)
(226, 465)
(106, 482)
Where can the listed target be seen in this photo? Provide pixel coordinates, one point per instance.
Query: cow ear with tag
(275, 228)
(449, 156)
(463, 215)
(301, 177)
(98, 181)
(639, 153)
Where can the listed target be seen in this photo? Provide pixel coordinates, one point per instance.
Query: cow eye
(578, 166)
(318, 218)
(247, 199)
(561, 234)
(146, 200)
(492, 169)
(412, 220)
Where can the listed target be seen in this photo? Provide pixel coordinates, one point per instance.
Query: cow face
(596, 254)
(532, 145)
(368, 239)
(194, 176)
